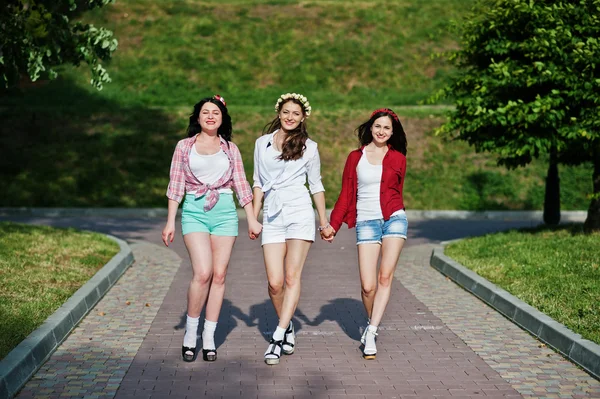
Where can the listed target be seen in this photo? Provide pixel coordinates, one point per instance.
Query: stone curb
(566, 216)
(27, 357)
(571, 345)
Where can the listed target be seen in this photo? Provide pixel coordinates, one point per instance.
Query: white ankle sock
(208, 334)
(370, 347)
(279, 334)
(191, 331)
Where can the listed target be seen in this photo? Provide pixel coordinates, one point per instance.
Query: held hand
(254, 229)
(168, 234)
(328, 234)
(331, 233)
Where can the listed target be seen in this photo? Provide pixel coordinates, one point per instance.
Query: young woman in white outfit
(284, 160)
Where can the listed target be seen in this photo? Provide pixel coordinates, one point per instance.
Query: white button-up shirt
(286, 185)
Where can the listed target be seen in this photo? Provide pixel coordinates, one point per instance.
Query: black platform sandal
(209, 355)
(186, 356)
(290, 330)
(274, 360)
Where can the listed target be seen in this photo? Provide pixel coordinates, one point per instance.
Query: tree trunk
(592, 222)
(552, 197)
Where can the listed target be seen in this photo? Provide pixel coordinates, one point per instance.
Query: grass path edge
(571, 345)
(27, 357)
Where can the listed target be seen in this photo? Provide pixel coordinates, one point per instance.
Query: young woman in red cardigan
(371, 199)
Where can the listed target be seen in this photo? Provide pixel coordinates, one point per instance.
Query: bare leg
(274, 255)
(368, 255)
(199, 248)
(390, 253)
(221, 252)
(297, 250)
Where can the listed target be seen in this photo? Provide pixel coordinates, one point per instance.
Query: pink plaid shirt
(183, 179)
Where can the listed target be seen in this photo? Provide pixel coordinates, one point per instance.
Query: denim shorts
(374, 231)
(222, 220)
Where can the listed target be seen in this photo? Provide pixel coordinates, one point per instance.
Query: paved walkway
(436, 341)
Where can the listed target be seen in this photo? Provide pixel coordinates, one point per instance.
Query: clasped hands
(327, 233)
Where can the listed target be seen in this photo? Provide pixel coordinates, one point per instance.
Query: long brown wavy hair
(295, 140)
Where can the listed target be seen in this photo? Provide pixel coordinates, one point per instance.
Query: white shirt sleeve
(256, 175)
(314, 173)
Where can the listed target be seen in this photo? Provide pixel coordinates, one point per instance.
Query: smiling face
(210, 118)
(382, 130)
(290, 115)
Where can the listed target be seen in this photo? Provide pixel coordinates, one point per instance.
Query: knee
(275, 287)
(218, 279)
(385, 280)
(368, 290)
(202, 278)
(292, 279)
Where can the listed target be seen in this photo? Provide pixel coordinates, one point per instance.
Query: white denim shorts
(297, 222)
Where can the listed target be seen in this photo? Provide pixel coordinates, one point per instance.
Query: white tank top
(368, 206)
(209, 168)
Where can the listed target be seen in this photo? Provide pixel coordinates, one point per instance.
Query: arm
(175, 193)
(338, 214)
(254, 226)
(257, 187)
(244, 193)
(257, 200)
(318, 193)
(319, 199)
(168, 233)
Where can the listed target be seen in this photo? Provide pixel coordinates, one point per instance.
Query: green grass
(65, 144)
(114, 156)
(40, 268)
(556, 270)
(340, 54)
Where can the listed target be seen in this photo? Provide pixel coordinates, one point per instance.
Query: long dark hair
(398, 138)
(295, 141)
(225, 130)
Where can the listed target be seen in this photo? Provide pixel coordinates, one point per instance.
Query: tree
(38, 35)
(528, 83)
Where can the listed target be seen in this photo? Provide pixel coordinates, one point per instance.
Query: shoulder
(311, 144)
(187, 142)
(264, 139)
(232, 146)
(397, 155)
(355, 154)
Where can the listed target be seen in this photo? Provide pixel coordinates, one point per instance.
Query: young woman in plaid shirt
(205, 171)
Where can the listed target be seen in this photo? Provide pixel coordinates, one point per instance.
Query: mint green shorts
(222, 220)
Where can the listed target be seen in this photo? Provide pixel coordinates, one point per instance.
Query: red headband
(218, 97)
(386, 111)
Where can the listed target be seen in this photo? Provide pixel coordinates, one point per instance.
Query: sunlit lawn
(556, 270)
(40, 268)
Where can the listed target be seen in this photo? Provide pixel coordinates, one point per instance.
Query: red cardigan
(390, 198)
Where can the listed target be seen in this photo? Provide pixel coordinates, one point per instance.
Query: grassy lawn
(40, 268)
(339, 53)
(66, 144)
(113, 156)
(556, 270)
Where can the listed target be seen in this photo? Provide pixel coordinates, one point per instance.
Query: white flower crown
(296, 96)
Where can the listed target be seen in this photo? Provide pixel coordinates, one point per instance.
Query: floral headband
(218, 97)
(386, 111)
(295, 96)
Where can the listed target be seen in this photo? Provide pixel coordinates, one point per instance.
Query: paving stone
(529, 366)
(101, 348)
(436, 341)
